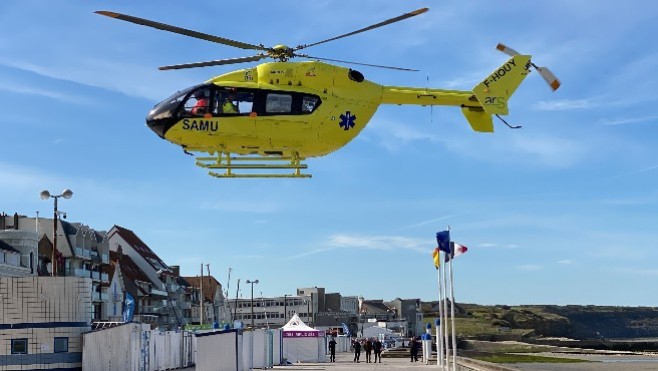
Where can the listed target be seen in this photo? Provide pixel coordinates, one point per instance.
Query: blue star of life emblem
(347, 120)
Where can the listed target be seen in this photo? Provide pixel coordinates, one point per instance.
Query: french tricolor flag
(456, 249)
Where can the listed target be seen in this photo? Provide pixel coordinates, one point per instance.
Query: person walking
(357, 351)
(377, 349)
(413, 349)
(417, 346)
(367, 346)
(332, 350)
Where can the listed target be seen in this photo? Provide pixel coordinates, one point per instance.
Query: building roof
(374, 307)
(7, 247)
(210, 286)
(129, 270)
(142, 249)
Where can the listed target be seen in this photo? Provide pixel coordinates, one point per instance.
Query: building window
(61, 345)
(18, 346)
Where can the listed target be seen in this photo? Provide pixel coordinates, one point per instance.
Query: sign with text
(301, 334)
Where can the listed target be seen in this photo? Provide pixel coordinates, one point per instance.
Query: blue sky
(563, 211)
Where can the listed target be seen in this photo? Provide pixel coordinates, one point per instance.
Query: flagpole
(446, 340)
(439, 327)
(452, 311)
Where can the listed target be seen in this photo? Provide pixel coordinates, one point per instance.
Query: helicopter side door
(286, 118)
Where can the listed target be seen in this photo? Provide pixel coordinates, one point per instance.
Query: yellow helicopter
(266, 120)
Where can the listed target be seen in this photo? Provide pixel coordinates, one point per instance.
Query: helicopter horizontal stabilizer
(478, 119)
(496, 89)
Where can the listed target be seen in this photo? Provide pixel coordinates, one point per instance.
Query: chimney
(2, 221)
(16, 221)
(176, 270)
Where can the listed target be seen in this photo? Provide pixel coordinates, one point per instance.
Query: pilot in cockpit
(201, 106)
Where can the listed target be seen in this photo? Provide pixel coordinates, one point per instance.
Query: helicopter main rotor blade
(380, 24)
(178, 30)
(361, 64)
(213, 63)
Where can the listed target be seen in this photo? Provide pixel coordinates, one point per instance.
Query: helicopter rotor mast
(280, 53)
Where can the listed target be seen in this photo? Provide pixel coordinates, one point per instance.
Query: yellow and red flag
(435, 255)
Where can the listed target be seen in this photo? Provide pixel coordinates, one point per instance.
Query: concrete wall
(41, 309)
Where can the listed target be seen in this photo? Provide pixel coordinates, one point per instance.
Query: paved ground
(344, 362)
(598, 363)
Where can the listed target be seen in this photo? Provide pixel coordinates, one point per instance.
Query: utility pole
(237, 291)
(226, 296)
(212, 305)
(201, 297)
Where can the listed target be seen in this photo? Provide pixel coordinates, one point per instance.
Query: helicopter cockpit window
(198, 104)
(233, 102)
(278, 103)
(309, 104)
(165, 108)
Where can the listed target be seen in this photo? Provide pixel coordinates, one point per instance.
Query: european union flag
(443, 239)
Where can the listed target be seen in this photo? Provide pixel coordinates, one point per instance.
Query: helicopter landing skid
(257, 166)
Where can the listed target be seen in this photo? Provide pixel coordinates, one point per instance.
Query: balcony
(158, 292)
(77, 272)
(82, 253)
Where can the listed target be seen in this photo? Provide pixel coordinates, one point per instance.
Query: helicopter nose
(159, 127)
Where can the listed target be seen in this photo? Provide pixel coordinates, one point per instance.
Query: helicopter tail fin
(496, 89)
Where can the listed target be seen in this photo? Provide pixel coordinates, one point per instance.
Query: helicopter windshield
(166, 108)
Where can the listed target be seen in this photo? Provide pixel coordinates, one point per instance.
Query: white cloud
(363, 242)
(565, 262)
(377, 242)
(29, 90)
(551, 151)
(630, 120)
(394, 135)
(529, 267)
(565, 104)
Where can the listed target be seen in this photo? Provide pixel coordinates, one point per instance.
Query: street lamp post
(308, 317)
(252, 301)
(67, 193)
(285, 308)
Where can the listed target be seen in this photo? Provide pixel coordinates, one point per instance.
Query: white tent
(302, 343)
(377, 332)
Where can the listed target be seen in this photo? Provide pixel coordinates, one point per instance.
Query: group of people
(369, 346)
(228, 103)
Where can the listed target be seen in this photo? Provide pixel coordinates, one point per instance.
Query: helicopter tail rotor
(548, 76)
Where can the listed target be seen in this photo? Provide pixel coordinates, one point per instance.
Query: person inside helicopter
(229, 104)
(201, 105)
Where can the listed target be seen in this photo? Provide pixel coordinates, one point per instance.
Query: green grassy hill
(575, 322)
